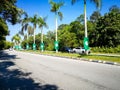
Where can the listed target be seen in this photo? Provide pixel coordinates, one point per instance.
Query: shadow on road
(14, 79)
(5, 56)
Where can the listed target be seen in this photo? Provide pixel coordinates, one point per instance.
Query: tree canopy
(8, 13)
(108, 29)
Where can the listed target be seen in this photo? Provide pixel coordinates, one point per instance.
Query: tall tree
(25, 25)
(95, 16)
(42, 23)
(3, 32)
(80, 19)
(16, 39)
(92, 28)
(55, 9)
(49, 40)
(78, 29)
(61, 27)
(108, 29)
(98, 4)
(114, 8)
(30, 30)
(34, 21)
(3, 28)
(26, 28)
(8, 13)
(65, 35)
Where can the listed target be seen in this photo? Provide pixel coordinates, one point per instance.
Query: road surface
(25, 71)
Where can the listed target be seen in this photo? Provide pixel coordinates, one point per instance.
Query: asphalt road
(25, 71)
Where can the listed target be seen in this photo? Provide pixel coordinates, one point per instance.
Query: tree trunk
(56, 29)
(85, 19)
(85, 23)
(34, 36)
(42, 36)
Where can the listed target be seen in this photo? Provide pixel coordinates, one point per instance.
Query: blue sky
(70, 12)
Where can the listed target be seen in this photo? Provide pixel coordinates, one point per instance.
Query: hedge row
(106, 50)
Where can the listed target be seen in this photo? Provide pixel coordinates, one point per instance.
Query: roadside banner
(56, 45)
(34, 46)
(85, 42)
(42, 46)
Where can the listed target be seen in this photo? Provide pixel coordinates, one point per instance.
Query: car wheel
(74, 51)
(89, 52)
(83, 52)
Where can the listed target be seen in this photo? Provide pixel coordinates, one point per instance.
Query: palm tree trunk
(42, 38)
(85, 19)
(34, 45)
(34, 36)
(56, 25)
(27, 46)
(27, 35)
(41, 34)
(85, 23)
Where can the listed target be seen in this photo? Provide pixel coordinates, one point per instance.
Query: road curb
(89, 60)
(105, 62)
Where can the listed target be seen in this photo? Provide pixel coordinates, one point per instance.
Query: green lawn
(73, 55)
(103, 58)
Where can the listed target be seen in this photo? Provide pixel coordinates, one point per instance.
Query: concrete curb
(105, 62)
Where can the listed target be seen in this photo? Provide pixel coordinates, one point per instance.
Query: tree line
(103, 31)
(55, 7)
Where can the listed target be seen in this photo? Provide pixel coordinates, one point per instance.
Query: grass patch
(54, 53)
(103, 58)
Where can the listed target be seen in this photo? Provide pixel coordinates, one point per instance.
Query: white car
(80, 50)
(10, 49)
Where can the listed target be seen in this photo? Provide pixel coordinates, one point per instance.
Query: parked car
(66, 49)
(80, 50)
(10, 49)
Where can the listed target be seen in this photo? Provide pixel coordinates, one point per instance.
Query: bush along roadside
(106, 49)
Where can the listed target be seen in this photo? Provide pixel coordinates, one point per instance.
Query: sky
(70, 12)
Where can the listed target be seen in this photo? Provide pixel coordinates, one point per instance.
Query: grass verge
(103, 58)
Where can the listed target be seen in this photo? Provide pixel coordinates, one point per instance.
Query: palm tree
(26, 27)
(16, 39)
(55, 9)
(34, 21)
(98, 4)
(30, 31)
(42, 23)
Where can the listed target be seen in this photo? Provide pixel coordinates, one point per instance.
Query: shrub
(106, 49)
